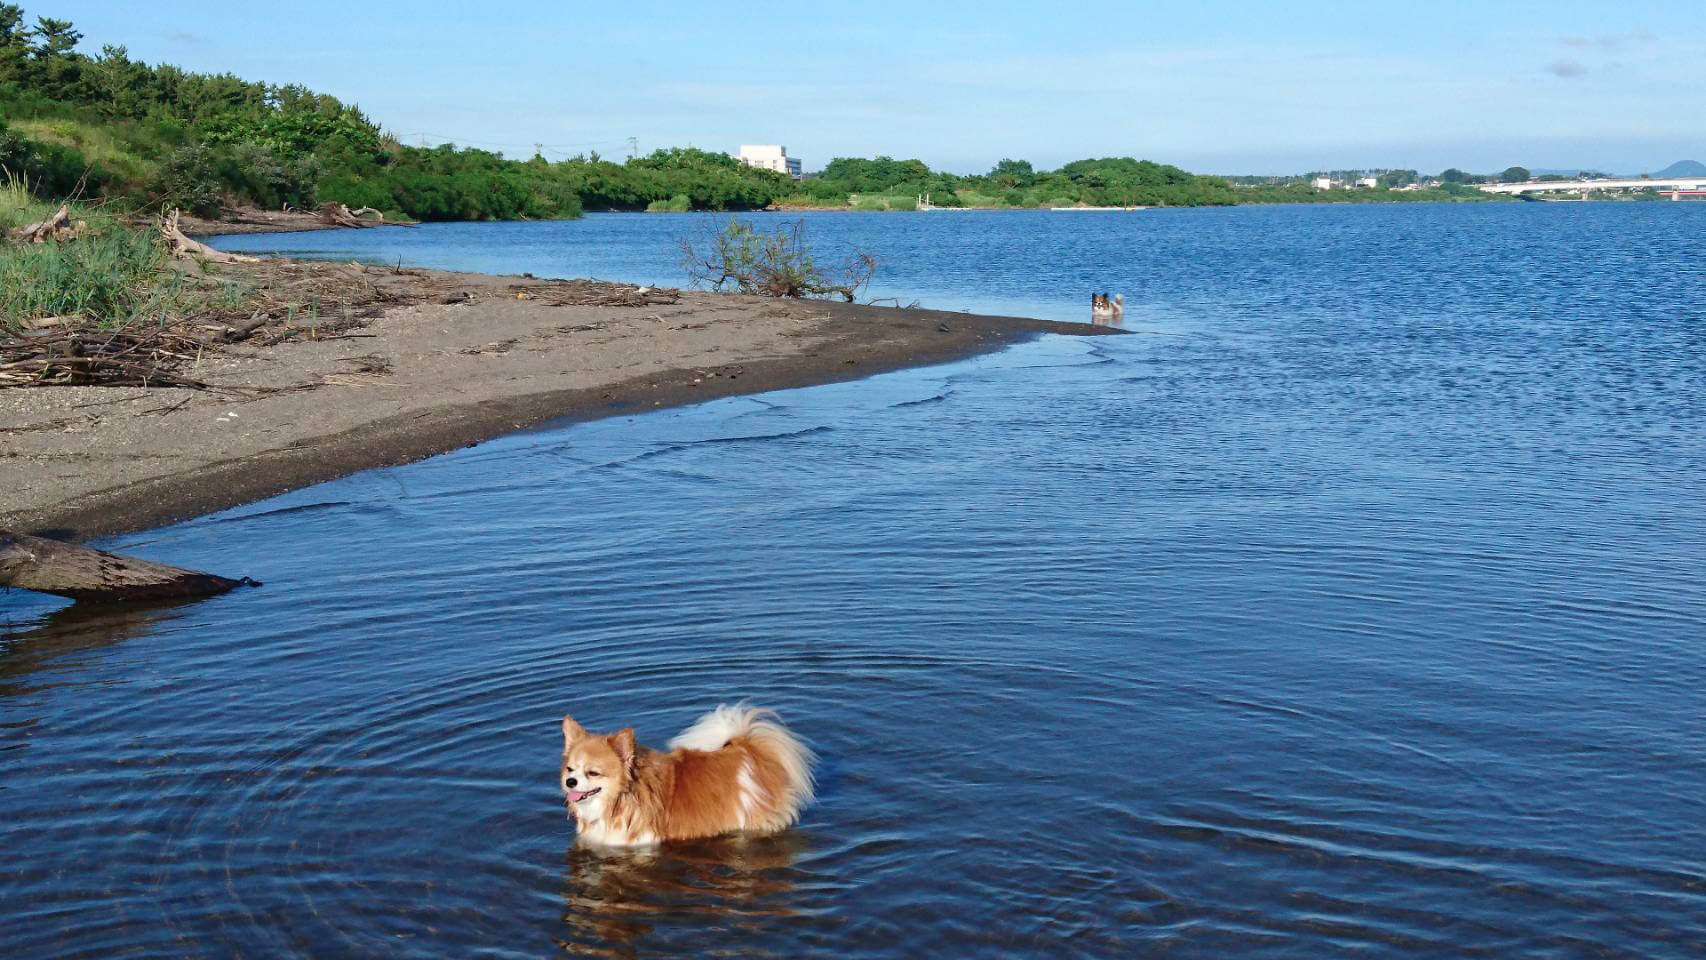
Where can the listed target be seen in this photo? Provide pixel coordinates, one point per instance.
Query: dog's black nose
(570, 782)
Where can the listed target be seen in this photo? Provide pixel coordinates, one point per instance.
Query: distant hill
(1683, 168)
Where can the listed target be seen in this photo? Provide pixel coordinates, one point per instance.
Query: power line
(564, 148)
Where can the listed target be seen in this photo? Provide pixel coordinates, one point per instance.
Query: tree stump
(84, 573)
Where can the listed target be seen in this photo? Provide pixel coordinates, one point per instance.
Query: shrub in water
(770, 264)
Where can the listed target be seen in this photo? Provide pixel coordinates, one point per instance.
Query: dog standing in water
(737, 769)
(1105, 311)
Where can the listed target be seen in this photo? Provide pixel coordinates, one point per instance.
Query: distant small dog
(1105, 310)
(733, 770)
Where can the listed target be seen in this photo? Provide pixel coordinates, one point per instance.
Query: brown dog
(734, 770)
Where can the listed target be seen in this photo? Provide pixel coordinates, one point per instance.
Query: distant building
(1369, 182)
(770, 157)
(1322, 183)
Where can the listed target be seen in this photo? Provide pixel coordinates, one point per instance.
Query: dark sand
(426, 378)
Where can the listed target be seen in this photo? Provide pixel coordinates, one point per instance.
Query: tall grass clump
(676, 204)
(110, 277)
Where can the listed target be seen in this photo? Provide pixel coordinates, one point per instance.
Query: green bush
(354, 192)
(770, 264)
(190, 181)
(15, 151)
(256, 172)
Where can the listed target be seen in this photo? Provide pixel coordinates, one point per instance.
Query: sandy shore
(425, 378)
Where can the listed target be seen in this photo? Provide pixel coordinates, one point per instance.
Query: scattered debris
(100, 358)
(57, 228)
(596, 293)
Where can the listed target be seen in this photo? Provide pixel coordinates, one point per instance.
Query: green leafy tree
(1013, 173)
(14, 43)
(54, 61)
(116, 83)
(1516, 175)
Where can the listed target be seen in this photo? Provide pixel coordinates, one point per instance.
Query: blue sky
(1213, 87)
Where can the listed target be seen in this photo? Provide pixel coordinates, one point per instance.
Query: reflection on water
(615, 902)
(52, 641)
(1352, 605)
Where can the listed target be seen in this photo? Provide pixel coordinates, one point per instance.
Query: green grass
(676, 204)
(111, 277)
(96, 144)
(875, 202)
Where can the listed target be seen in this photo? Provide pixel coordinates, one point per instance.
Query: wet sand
(425, 378)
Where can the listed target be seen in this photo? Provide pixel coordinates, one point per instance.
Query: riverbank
(255, 220)
(458, 358)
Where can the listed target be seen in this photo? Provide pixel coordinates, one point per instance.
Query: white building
(1368, 182)
(1323, 183)
(770, 157)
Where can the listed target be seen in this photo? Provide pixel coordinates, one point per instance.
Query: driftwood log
(339, 215)
(182, 246)
(84, 573)
(57, 228)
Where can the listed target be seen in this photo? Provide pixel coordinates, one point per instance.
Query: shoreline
(429, 377)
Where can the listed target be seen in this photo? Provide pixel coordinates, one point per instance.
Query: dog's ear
(622, 741)
(572, 731)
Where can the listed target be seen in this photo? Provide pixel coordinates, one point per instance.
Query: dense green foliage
(1305, 193)
(161, 136)
(886, 183)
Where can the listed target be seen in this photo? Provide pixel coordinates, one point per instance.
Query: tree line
(160, 135)
(1108, 181)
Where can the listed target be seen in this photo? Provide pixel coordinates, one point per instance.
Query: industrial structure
(770, 157)
(1677, 187)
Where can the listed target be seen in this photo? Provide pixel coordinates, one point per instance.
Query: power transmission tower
(633, 147)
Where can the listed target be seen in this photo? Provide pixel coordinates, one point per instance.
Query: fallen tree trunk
(84, 573)
(182, 246)
(339, 215)
(57, 227)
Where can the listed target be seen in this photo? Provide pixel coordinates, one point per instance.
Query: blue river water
(1352, 605)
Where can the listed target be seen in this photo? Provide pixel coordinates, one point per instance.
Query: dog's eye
(593, 773)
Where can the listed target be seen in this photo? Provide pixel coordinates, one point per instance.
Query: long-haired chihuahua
(737, 769)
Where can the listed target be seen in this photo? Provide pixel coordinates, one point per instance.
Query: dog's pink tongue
(576, 796)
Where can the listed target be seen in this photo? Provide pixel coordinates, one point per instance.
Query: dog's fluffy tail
(778, 783)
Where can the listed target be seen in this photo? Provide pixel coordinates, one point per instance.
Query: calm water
(1353, 605)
